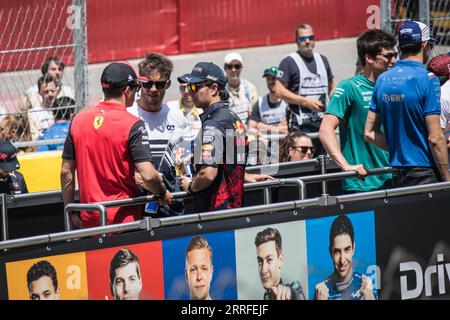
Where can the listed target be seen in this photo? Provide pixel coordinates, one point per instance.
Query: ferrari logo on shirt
(98, 121)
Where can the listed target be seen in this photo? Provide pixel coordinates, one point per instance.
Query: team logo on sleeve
(239, 127)
(98, 121)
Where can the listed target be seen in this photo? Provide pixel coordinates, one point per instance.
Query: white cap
(233, 56)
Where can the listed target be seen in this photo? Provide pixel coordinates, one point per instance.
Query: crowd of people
(392, 112)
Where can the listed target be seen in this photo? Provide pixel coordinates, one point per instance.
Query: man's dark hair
(155, 62)
(341, 225)
(45, 79)
(372, 41)
(41, 269)
(122, 258)
(412, 49)
(63, 108)
(269, 234)
(48, 61)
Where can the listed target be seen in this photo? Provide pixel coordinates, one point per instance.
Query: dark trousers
(414, 176)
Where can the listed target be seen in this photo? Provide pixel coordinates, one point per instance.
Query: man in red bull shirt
(219, 181)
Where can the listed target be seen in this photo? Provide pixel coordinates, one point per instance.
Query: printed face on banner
(272, 259)
(342, 257)
(200, 267)
(132, 272)
(61, 277)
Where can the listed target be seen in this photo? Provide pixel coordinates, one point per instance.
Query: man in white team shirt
(243, 94)
(165, 125)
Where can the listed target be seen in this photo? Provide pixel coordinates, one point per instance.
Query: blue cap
(413, 33)
(204, 71)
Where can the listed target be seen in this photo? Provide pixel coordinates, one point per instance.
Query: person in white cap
(243, 94)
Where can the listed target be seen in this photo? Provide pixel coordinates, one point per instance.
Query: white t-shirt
(164, 126)
(445, 105)
(41, 119)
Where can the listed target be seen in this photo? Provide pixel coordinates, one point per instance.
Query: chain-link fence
(435, 13)
(43, 67)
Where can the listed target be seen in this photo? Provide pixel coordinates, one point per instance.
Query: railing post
(5, 234)
(267, 195)
(323, 170)
(81, 207)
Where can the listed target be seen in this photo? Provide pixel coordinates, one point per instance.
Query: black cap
(204, 71)
(120, 74)
(8, 156)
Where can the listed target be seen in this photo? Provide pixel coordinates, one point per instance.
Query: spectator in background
(406, 102)
(41, 117)
(305, 81)
(186, 105)
(16, 128)
(348, 109)
(269, 112)
(11, 181)
(296, 146)
(243, 94)
(54, 67)
(63, 112)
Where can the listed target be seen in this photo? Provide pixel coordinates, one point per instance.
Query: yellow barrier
(41, 170)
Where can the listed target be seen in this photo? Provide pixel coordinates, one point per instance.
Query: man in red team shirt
(107, 145)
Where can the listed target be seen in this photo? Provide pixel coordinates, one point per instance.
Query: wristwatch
(189, 189)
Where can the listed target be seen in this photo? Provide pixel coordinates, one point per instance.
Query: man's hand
(313, 105)
(185, 182)
(281, 292)
(321, 291)
(359, 169)
(166, 199)
(253, 177)
(139, 180)
(366, 288)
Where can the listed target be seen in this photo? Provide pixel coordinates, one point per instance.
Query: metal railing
(149, 223)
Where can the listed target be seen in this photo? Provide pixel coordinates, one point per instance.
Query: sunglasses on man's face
(304, 38)
(194, 87)
(158, 84)
(389, 56)
(233, 66)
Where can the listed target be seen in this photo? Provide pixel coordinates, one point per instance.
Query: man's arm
(284, 93)
(372, 131)
(438, 147)
(68, 181)
(327, 136)
(68, 189)
(204, 178)
(280, 128)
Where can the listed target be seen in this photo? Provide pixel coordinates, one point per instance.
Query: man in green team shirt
(348, 109)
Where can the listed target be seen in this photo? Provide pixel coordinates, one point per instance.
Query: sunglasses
(233, 66)
(303, 38)
(305, 149)
(389, 56)
(194, 87)
(158, 84)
